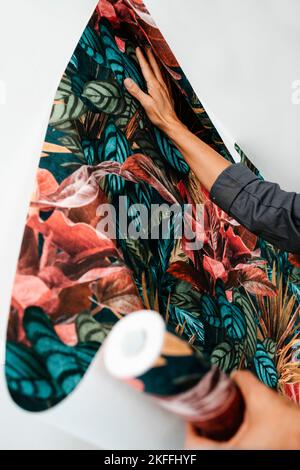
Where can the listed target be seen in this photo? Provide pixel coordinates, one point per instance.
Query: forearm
(262, 207)
(205, 162)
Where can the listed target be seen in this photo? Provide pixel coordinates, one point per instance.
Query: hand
(204, 161)
(271, 421)
(158, 103)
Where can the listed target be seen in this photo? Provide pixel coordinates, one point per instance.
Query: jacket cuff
(229, 184)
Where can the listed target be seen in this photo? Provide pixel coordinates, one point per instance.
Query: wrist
(174, 128)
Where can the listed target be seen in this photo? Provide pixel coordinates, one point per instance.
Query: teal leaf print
(120, 63)
(210, 311)
(170, 152)
(233, 317)
(91, 44)
(27, 376)
(114, 147)
(190, 324)
(251, 321)
(264, 366)
(65, 364)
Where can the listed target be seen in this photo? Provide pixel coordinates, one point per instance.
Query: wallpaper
(233, 297)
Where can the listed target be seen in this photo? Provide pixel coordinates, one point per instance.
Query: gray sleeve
(262, 207)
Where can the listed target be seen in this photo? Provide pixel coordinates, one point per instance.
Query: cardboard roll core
(134, 344)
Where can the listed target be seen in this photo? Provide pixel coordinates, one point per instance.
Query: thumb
(135, 91)
(195, 441)
(251, 388)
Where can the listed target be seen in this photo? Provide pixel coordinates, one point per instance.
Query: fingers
(254, 392)
(246, 381)
(145, 66)
(194, 441)
(154, 65)
(136, 92)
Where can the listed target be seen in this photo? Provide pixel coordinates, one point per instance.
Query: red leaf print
(212, 230)
(67, 333)
(46, 183)
(214, 268)
(248, 238)
(295, 260)
(78, 190)
(76, 239)
(235, 246)
(106, 10)
(29, 256)
(120, 43)
(139, 168)
(153, 34)
(29, 290)
(117, 290)
(292, 391)
(253, 279)
(188, 273)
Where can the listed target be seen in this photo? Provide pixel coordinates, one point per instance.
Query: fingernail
(128, 82)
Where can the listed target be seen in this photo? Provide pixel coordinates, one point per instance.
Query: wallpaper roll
(140, 351)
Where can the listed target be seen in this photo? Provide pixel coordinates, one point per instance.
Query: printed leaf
(105, 96)
(250, 316)
(191, 325)
(186, 272)
(210, 311)
(131, 108)
(186, 298)
(270, 347)
(255, 281)
(115, 148)
(89, 329)
(233, 318)
(27, 376)
(65, 364)
(64, 88)
(223, 356)
(170, 152)
(91, 44)
(69, 109)
(120, 64)
(139, 168)
(264, 366)
(295, 260)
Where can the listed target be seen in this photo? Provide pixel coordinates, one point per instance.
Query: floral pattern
(235, 300)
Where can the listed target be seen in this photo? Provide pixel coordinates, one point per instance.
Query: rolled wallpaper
(142, 352)
(233, 298)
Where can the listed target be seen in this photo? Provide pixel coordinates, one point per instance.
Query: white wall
(242, 62)
(242, 57)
